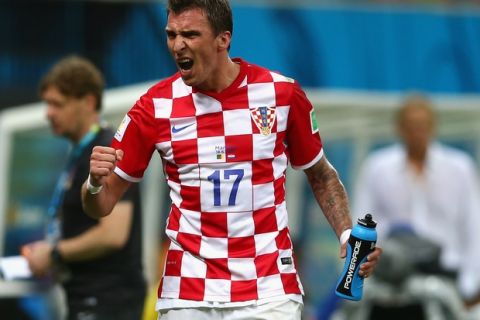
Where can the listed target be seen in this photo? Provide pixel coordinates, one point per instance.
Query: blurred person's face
(195, 48)
(417, 129)
(67, 115)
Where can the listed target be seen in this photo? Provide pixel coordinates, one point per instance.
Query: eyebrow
(185, 33)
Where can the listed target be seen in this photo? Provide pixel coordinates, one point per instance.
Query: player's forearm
(330, 195)
(100, 204)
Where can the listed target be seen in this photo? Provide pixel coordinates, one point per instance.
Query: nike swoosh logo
(178, 129)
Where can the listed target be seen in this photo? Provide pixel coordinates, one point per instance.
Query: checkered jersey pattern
(225, 156)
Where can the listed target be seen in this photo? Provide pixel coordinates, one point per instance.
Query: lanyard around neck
(75, 154)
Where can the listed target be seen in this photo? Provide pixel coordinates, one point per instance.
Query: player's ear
(223, 40)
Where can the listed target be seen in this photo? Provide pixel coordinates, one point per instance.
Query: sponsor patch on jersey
(122, 128)
(313, 121)
(264, 118)
(220, 151)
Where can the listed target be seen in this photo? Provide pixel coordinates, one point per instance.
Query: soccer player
(225, 130)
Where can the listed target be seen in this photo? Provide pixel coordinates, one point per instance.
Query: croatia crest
(264, 117)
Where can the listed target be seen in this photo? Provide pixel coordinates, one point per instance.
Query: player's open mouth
(185, 64)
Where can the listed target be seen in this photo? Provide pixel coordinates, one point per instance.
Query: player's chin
(188, 79)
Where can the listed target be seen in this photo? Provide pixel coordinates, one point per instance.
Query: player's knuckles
(98, 170)
(102, 163)
(103, 149)
(109, 158)
(100, 152)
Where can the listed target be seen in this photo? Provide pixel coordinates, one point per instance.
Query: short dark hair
(76, 77)
(219, 13)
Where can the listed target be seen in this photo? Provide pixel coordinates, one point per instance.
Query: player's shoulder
(163, 88)
(286, 89)
(260, 74)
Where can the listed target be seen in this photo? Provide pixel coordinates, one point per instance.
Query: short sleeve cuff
(311, 163)
(125, 176)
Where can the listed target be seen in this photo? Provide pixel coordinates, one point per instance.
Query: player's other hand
(368, 267)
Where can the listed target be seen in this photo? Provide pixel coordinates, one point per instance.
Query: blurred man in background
(429, 189)
(98, 261)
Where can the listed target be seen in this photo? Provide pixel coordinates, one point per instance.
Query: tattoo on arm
(330, 195)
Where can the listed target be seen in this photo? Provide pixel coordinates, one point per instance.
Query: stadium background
(355, 58)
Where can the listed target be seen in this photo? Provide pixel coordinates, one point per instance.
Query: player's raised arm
(103, 188)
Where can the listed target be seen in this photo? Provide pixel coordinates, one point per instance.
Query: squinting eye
(171, 35)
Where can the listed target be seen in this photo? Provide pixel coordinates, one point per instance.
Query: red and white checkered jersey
(225, 156)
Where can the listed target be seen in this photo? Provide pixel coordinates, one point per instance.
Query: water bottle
(360, 244)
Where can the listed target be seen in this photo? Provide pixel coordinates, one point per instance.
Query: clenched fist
(102, 163)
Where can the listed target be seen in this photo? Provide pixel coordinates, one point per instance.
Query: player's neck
(226, 74)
